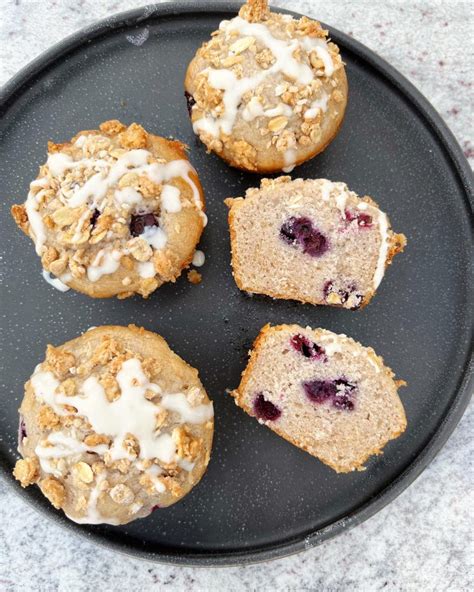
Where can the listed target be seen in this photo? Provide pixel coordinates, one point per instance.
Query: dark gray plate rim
(400, 84)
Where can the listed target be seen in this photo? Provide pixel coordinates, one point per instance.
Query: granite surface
(423, 540)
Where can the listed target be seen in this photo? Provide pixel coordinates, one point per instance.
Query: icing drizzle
(326, 187)
(234, 88)
(93, 193)
(131, 413)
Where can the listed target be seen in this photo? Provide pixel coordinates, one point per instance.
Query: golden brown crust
(237, 394)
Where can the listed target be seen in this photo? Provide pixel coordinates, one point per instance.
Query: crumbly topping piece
(47, 419)
(60, 362)
(26, 471)
(54, 490)
(133, 137)
(83, 472)
(187, 446)
(255, 10)
(194, 277)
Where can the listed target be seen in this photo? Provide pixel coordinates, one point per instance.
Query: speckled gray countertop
(423, 540)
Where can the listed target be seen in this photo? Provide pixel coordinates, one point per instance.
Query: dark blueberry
(320, 391)
(94, 217)
(315, 244)
(343, 402)
(363, 220)
(356, 301)
(190, 102)
(265, 410)
(338, 392)
(21, 430)
(156, 507)
(307, 348)
(288, 231)
(347, 293)
(329, 288)
(300, 232)
(139, 222)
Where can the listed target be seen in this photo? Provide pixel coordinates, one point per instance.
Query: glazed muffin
(267, 92)
(114, 212)
(310, 240)
(324, 393)
(114, 425)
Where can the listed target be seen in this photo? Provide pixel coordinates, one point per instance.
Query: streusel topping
(106, 202)
(270, 70)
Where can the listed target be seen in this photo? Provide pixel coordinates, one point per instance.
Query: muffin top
(264, 80)
(115, 211)
(114, 424)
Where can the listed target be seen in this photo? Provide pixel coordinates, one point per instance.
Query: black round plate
(261, 497)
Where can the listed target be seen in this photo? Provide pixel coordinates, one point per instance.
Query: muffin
(324, 393)
(114, 212)
(310, 240)
(268, 91)
(114, 425)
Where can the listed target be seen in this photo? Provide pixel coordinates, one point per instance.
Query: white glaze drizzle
(331, 345)
(93, 516)
(325, 187)
(97, 186)
(289, 157)
(234, 88)
(320, 104)
(133, 161)
(384, 242)
(153, 472)
(341, 198)
(57, 283)
(58, 163)
(373, 363)
(187, 465)
(34, 217)
(106, 261)
(198, 258)
(128, 196)
(320, 46)
(179, 404)
(255, 109)
(155, 236)
(146, 269)
(60, 445)
(78, 232)
(131, 413)
(170, 200)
